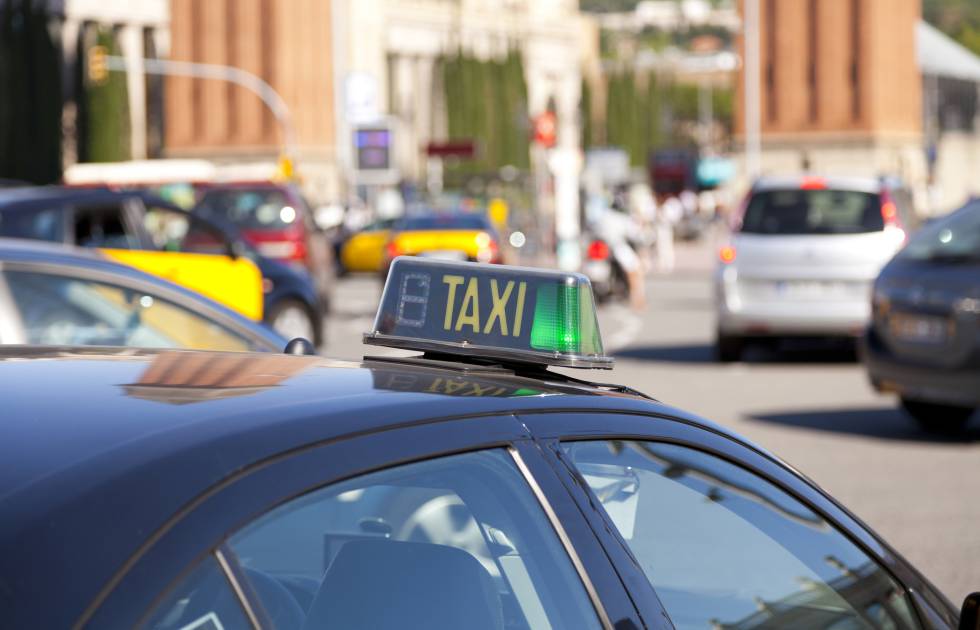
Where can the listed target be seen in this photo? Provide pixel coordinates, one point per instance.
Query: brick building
(841, 87)
(288, 45)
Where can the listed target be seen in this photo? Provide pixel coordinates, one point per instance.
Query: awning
(942, 56)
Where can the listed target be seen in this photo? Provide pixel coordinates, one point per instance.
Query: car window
(259, 208)
(204, 600)
(443, 222)
(727, 549)
(449, 543)
(103, 226)
(954, 238)
(812, 212)
(62, 310)
(179, 232)
(46, 225)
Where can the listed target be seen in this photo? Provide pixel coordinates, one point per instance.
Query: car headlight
(881, 303)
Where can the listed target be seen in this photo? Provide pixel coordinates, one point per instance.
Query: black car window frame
(551, 429)
(209, 519)
(163, 292)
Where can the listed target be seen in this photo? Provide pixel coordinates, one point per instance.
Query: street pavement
(812, 406)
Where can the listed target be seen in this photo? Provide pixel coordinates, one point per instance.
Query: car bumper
(918, 381)
(747, 310)
(794, 318)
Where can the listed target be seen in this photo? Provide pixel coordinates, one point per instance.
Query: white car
(803, 255)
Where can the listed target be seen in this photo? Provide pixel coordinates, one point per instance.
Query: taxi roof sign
(511, 314)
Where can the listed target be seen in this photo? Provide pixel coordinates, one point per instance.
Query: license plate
(817, 289)
(918, 328)
(444, 254)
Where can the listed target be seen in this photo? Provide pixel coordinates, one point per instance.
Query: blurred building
(391, 48)
(289, 46)
(865, 87)
(142, 29)
(951, 86)
(840, 87)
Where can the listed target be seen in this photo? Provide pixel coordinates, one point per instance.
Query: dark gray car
(924, 339)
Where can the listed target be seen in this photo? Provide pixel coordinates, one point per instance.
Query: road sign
(546, 129)
(373, 146)
(98, 69)
(465, 149)
(361, 100)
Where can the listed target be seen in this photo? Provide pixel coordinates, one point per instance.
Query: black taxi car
(468, 487)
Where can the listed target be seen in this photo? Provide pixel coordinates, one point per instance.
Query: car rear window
(256, 209)
(444, 222)
(797, 211)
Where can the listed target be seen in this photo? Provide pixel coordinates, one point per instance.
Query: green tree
(486, 101)
(103, 106)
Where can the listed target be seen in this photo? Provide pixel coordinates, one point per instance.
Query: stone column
(131, 42)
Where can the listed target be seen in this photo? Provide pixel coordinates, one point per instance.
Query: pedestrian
(669, 212)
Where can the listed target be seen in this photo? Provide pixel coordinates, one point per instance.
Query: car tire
(728, 348)
(938, 418)
(291, 318)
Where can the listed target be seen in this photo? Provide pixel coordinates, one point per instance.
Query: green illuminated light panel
(564, 320)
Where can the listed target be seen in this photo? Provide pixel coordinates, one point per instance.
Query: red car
(277, 220)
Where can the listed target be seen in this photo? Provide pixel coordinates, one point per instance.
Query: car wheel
(728, 348)
(937, 418)
(292, 319)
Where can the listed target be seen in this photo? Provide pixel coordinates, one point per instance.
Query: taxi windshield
(443, 222)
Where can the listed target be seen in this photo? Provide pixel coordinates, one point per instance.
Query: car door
(445, 524)
(727, 536)
(183, 249)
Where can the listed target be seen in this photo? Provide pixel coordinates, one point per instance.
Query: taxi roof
(157, 403)
(76, 467)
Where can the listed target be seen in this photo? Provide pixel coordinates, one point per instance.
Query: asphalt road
(812, 406)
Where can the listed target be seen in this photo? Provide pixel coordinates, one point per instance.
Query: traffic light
(98, 69)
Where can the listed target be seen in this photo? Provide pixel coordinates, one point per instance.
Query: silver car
(803, 254)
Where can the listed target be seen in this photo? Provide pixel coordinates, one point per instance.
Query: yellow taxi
(365, 249)
(142, 231)
(452, 236)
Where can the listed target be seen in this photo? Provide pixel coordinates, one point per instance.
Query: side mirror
(237, 249)
(970, 613)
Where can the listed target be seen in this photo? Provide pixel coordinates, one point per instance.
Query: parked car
(467, 487)
(923, 342)
(802, 256)
(60, 295)
(275, 219)
(144, 231)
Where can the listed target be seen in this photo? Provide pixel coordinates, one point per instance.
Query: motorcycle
(603, 271)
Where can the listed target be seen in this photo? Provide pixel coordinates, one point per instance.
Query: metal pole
(753, 91)
(240, 77)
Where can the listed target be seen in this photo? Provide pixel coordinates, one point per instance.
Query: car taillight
(290, 251)
(598, 250)
(890, 217)
(727, 254)
(490, 253)
(813, 183)
(393, 250)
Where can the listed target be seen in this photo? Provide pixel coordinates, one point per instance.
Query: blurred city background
(613, 137)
